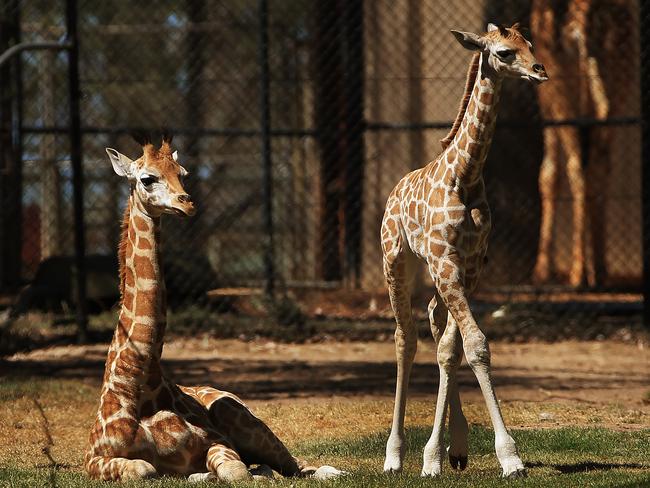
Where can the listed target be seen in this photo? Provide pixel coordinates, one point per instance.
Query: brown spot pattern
(144, 268)
(140, 224)
(144, 244)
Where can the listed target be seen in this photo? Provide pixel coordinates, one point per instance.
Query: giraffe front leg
(119, 469)
(548, 187)
(477, 353)
(226, 464)
(576, 178)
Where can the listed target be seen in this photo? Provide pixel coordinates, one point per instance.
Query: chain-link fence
(358, 93)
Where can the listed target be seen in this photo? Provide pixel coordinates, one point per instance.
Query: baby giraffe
(146, 425)
(440, 215)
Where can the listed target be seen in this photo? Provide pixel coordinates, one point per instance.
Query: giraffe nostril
(538, 68)
(184, 198)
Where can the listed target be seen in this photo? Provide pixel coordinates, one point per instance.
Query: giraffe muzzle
(185, 207)
(539, 74)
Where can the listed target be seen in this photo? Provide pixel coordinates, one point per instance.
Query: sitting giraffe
(146, 425)
(440, 214)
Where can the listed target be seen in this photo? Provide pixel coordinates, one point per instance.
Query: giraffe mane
(121, 248)
(469, 84)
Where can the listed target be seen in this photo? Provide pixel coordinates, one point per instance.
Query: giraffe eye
(504, 53)
(148, 180)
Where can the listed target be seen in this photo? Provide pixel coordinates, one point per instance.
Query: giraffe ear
(122, 165)
(469, 40)
(501, 28)
(175, 155)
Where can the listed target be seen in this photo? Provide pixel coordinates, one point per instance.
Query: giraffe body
(439, 214)
(591, 43)
(146, 425)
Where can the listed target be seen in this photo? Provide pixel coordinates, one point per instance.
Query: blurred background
(295, 120)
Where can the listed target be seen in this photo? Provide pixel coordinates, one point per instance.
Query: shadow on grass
(264, 379)
(566, 443)
(585, 466)
(595, 466)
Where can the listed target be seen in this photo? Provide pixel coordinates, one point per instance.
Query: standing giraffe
(440, 214)
(591, 43)
(146, 425)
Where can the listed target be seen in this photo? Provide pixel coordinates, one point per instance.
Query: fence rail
(296, 120)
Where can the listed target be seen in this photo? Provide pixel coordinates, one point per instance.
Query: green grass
(570, 457)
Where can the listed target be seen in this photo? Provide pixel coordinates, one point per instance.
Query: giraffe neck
(471, 143)
(138, 339)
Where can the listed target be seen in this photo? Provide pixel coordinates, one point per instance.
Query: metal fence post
(644, 21)
(77, 170)
(267, 166)
(11, 157)
(355, 146)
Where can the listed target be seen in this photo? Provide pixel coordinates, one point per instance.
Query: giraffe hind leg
(119, 469)
(399, 267)
(458, 428)
(226, 464)
(450, 352)
(440, 321)
(253, 439)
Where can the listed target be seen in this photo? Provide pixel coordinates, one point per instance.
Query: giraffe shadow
(290, 378)
(585, 466)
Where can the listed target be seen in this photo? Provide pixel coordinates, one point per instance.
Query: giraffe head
(507, 51)
(155, 178)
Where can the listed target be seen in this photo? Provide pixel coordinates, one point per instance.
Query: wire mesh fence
(359, 93)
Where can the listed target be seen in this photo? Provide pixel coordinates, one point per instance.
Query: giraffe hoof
(517, 473)
(326, 472)
(263, 471)
(307, 471)
(458, 462)
(199, 477)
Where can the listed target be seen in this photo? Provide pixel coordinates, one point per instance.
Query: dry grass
(579, 410)
(44, 418)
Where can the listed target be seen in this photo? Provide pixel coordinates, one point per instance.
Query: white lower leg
(433, 451)
(406, 345)
(449, 356)
(478, 357)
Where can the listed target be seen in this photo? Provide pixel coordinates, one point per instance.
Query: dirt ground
(580, 373)
(325, 390)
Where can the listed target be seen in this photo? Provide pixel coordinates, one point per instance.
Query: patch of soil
(588, 373)
(330, 389)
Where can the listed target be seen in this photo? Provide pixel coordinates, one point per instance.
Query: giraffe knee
(437, 318)
(233, 470)
(406, 340)
(449, 357)
(138, 469)
(449, 352)
(476, 349)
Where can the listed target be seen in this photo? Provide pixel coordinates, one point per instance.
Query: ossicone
(141, 137)
(167, 136)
